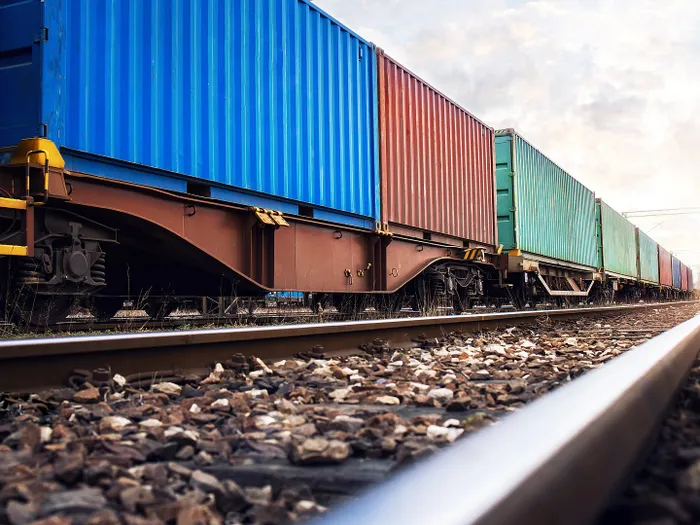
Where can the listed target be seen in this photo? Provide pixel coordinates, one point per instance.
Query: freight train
(162, 149)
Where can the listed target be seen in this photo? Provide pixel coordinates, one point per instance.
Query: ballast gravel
(253, 442)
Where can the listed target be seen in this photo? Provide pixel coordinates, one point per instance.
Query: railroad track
(31, 364)
(280, 440)
(557, 461)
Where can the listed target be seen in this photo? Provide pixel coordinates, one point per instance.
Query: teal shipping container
(618, 240)
(542, 210)
(648, 258)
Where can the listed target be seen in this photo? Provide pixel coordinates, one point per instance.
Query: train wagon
(677, 279)
(546, 220)
(684, 278)
(437, 179)
(221, 148)
(617, 242)
(691, 282)
(665, 268)
(647, 258)
(268, 104)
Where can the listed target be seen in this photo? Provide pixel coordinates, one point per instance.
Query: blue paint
(271, 97)
(677, 279)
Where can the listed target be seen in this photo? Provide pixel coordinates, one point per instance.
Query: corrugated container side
(272, 97)
(437, 160)
(541, 208)
(665, 267)
(677, 281)
(684, 277)
(648, 258)
(619, 243)
(691, 282)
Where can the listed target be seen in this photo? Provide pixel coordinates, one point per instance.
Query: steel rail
(556, 461)
(31, 364)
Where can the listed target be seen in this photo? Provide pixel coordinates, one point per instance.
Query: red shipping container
(437, 162)
(684, 277)
(665, 267)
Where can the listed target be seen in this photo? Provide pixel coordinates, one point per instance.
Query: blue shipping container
(676, 273)
(258, 98)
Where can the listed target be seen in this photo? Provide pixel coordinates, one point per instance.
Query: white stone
(495, 349)
(255, 374)
(454, 433)
(441, 394)
(45, 434)
(264, 421)
(167, 387)
(151, 423)
(223, 402)
(483, 373)
(388, 400)
(173, 431)
(262, 365)
(116, 422)
(257, 393)
(451, 423)
(356, 378)
(571, 341)
(195, 408)
(400, 430)
(218, 368)
(435, 432)
(340, 394)
(527, 344)
(119, 380)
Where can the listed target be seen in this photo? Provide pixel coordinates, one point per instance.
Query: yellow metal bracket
(13, 204)
(474, 254)
(270, 217)
(28, 151)
(9, 249)
(383, 231)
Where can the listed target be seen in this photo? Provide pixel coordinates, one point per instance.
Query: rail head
(555, 461)
(38, 347)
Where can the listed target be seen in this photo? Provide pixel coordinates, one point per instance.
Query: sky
(608, 89)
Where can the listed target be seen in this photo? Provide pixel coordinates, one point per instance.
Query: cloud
(607, 89)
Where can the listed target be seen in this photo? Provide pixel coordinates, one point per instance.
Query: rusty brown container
(684, 277)
(437, 162)
(665, 267)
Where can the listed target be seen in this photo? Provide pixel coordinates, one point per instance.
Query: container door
(21, 36)
(505, 201)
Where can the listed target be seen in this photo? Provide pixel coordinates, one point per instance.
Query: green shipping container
(619, 242)
(542, 210)
(647, 258)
